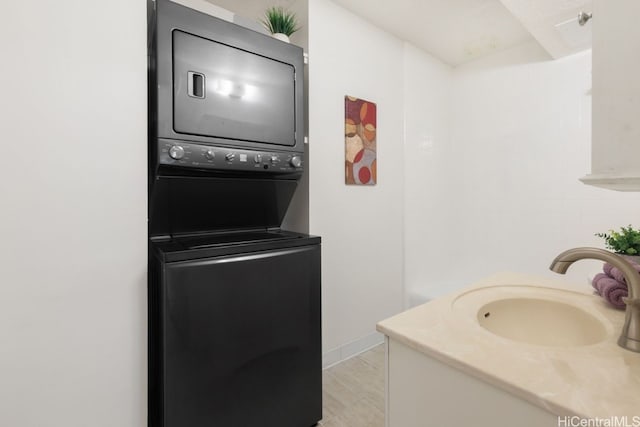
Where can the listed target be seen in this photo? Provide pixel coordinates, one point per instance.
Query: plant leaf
(280, 20)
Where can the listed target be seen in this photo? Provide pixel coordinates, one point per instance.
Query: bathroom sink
(541, 322)
(547, 343)
(535, 315)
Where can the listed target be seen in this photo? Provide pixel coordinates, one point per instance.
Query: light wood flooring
(353, 391)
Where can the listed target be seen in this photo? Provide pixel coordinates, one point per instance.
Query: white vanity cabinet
(615, 160)
(422, 391)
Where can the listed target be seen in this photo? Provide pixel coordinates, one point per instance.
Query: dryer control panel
(201, 156)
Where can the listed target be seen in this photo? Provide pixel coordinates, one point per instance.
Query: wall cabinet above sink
(615, 162)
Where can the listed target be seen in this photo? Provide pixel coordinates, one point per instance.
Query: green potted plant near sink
(625, 242)
(280, 22)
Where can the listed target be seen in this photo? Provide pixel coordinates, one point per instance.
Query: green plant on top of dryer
(280, 22)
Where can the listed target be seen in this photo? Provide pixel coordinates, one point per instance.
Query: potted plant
(625, 242)
(280, 22)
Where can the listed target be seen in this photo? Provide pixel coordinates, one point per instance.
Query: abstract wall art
(360, 130)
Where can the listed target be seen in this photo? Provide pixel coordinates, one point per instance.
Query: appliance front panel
(224, 92)
(242, 344)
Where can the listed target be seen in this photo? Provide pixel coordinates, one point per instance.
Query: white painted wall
(616, 95)
(520, 139)
(427, 195)
(73, 217)
(209, 7)
(361, 226)
(616, 88)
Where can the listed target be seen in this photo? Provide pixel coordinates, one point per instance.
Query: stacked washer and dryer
(234, 300)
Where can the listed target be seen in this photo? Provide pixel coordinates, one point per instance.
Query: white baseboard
(351, 349)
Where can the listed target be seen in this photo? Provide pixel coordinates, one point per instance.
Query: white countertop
(600, 380)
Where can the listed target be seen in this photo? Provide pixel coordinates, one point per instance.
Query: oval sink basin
(541, 322)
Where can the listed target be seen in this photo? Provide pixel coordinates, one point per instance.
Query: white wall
(520, 139)
(616, 88)
(361, 226)
(427, 210)
(73, 217)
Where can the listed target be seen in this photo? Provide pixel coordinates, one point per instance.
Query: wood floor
(353, 391)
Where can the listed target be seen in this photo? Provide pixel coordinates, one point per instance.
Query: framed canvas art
(360, 141)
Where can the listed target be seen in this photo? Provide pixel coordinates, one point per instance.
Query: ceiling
(458, 31)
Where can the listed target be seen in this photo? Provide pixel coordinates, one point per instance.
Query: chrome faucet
(630, 337)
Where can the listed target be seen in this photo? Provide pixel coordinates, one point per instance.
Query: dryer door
(223, 92)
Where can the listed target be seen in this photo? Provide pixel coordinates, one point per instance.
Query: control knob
(296, 161)
(257, 158)
(274, 159)
(209, 154)
(230, 157)
(176, 152)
